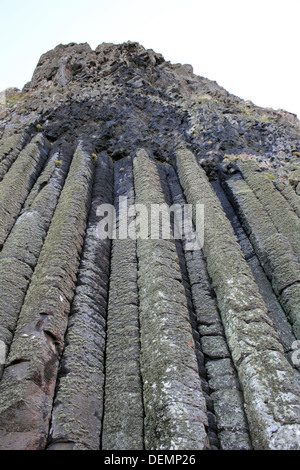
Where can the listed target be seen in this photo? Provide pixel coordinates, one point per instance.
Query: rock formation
(127, 343)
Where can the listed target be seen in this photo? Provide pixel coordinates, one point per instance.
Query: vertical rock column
(28, 382)
(284, 248)
(176, 201)
(275, 311)
(17, 262)
(123, 409)
(272, 248)
(290, 195)
(10, 147)
(226, 415)
(271, 398)
(17, 183)
(78, 405)
(175, 408)
(280, 211)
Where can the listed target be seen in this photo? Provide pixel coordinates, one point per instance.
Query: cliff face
(132, 343)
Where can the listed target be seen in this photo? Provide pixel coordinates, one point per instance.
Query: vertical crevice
(50, 293)
(276, 312)
(173, 195)
(174, 414)
(106, 315)
(253, 342)
(123, 416)
(213, 353)
(78, 404)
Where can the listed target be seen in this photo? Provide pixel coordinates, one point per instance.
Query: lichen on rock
(146, 342)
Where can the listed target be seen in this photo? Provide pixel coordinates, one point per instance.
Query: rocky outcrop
(134, 340)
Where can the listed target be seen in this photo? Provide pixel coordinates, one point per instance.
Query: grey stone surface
(77, 414)
(17, 263)
(123, 421)
(244, 314)
(272, 248)
(175, 414)
(220, 374)
(10, 147)
(28, 382)
(278, 208)
(18, 182)
(146, 344)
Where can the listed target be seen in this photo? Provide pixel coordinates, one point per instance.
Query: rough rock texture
(127, 343)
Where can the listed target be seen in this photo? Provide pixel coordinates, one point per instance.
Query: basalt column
(123, 408)
(175, 407)
(78, 406)
(17, 263)
(119, 330)
(18, 182)
(225, 401)
(28, 383)
(273, 248)
(10, 148)
(272, 401)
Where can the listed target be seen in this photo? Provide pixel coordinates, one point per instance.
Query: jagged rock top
(136, 96)
(60, 65)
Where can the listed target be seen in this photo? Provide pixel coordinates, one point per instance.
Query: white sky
(249, 47)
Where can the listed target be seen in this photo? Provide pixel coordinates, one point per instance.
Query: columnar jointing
(28, 383)
(10, 148)
(273, 248)
(280, 250)
(18, 182)
(118, 331)
(175, 407)
(225, 401)
(17, 263)
(278, 209)
(78, 405)
(277, 314)
(123, 408)
(290, 195)
(271, 399)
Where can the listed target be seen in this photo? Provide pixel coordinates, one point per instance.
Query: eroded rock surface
(127, 343)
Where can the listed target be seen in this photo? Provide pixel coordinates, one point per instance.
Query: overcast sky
(249, 47)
